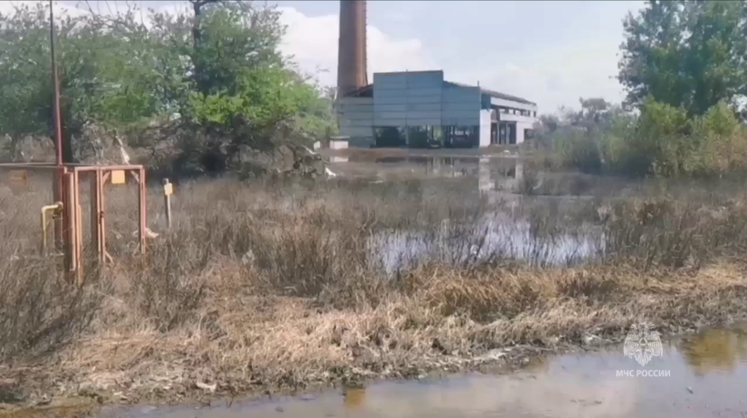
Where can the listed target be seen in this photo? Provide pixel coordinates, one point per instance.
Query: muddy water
(700, 376)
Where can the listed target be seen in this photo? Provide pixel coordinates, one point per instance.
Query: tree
(200, 86)
(688, 54)
(100, 77)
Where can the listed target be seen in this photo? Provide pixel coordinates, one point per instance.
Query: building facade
(421, 109)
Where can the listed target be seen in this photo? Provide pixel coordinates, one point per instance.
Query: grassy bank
(277, 287)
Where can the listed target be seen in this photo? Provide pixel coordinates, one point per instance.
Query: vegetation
(682, 67)
(660, 140)
(282, 283)
(276, 287)
(687, 54)
(201, 85)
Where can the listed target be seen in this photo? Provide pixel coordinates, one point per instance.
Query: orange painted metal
(71, 224)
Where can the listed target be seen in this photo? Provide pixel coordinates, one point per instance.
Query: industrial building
(418, 108)
(421, 109)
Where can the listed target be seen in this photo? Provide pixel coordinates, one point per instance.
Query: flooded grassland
(699, 376)
(399, 269)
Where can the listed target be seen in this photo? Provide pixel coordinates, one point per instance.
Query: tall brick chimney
(352, 72)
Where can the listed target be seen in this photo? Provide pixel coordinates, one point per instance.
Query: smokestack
(352, 72)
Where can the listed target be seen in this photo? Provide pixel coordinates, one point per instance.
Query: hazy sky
(549, 52)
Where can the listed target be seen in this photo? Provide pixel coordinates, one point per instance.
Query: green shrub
(662, 141)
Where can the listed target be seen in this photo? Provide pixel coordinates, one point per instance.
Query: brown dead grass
(274, 288)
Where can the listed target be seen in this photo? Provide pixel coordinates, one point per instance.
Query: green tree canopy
(689, 54)
(214, 78)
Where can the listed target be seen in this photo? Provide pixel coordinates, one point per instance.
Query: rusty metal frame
(69, 231)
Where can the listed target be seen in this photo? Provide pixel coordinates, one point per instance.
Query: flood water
(494, 236)
(700, 376)
(498, 234)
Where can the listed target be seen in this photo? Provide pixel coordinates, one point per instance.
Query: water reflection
(583, 385)
(716, 350)
(354, 398)
(497, 235)
(502, 172)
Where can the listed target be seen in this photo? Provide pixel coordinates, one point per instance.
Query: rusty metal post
(56, 88)
(96, 215)
(78, 228)
(142, 209)
(69, 217)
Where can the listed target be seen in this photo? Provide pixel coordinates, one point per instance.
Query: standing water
(698, 376)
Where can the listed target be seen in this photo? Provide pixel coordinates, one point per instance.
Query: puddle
(706, 376)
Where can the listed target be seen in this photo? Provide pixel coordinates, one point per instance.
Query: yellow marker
(118, 177)
(168, 189)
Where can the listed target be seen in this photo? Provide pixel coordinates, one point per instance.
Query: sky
(552, 53)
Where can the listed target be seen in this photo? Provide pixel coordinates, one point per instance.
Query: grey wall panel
(356, 131)
(356, 122)
(390, 107)
(380, 94)
(424, 84)
(462, 94)
(419, 107)
(460, 113)
(462, 98)
(424, 92)
(356, 108)
(357, 115)
(389, 81)
(389, 122)
(473, 121)
(390, 115)
(390, 100)
(424, 122)
(424, 99)
(432, 114)
(471, 106)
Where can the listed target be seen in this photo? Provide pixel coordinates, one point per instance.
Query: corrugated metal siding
(461, 106)
(390, 122)
(356, 122)
(355, 107)
(356, 116)
(355, 131)
(408, 99)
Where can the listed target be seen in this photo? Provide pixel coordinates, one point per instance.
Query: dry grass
(271, 287)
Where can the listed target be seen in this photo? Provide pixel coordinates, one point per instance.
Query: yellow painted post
(168, 190)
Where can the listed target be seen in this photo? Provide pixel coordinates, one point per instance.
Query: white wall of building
(520, 127)
(485, 122)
